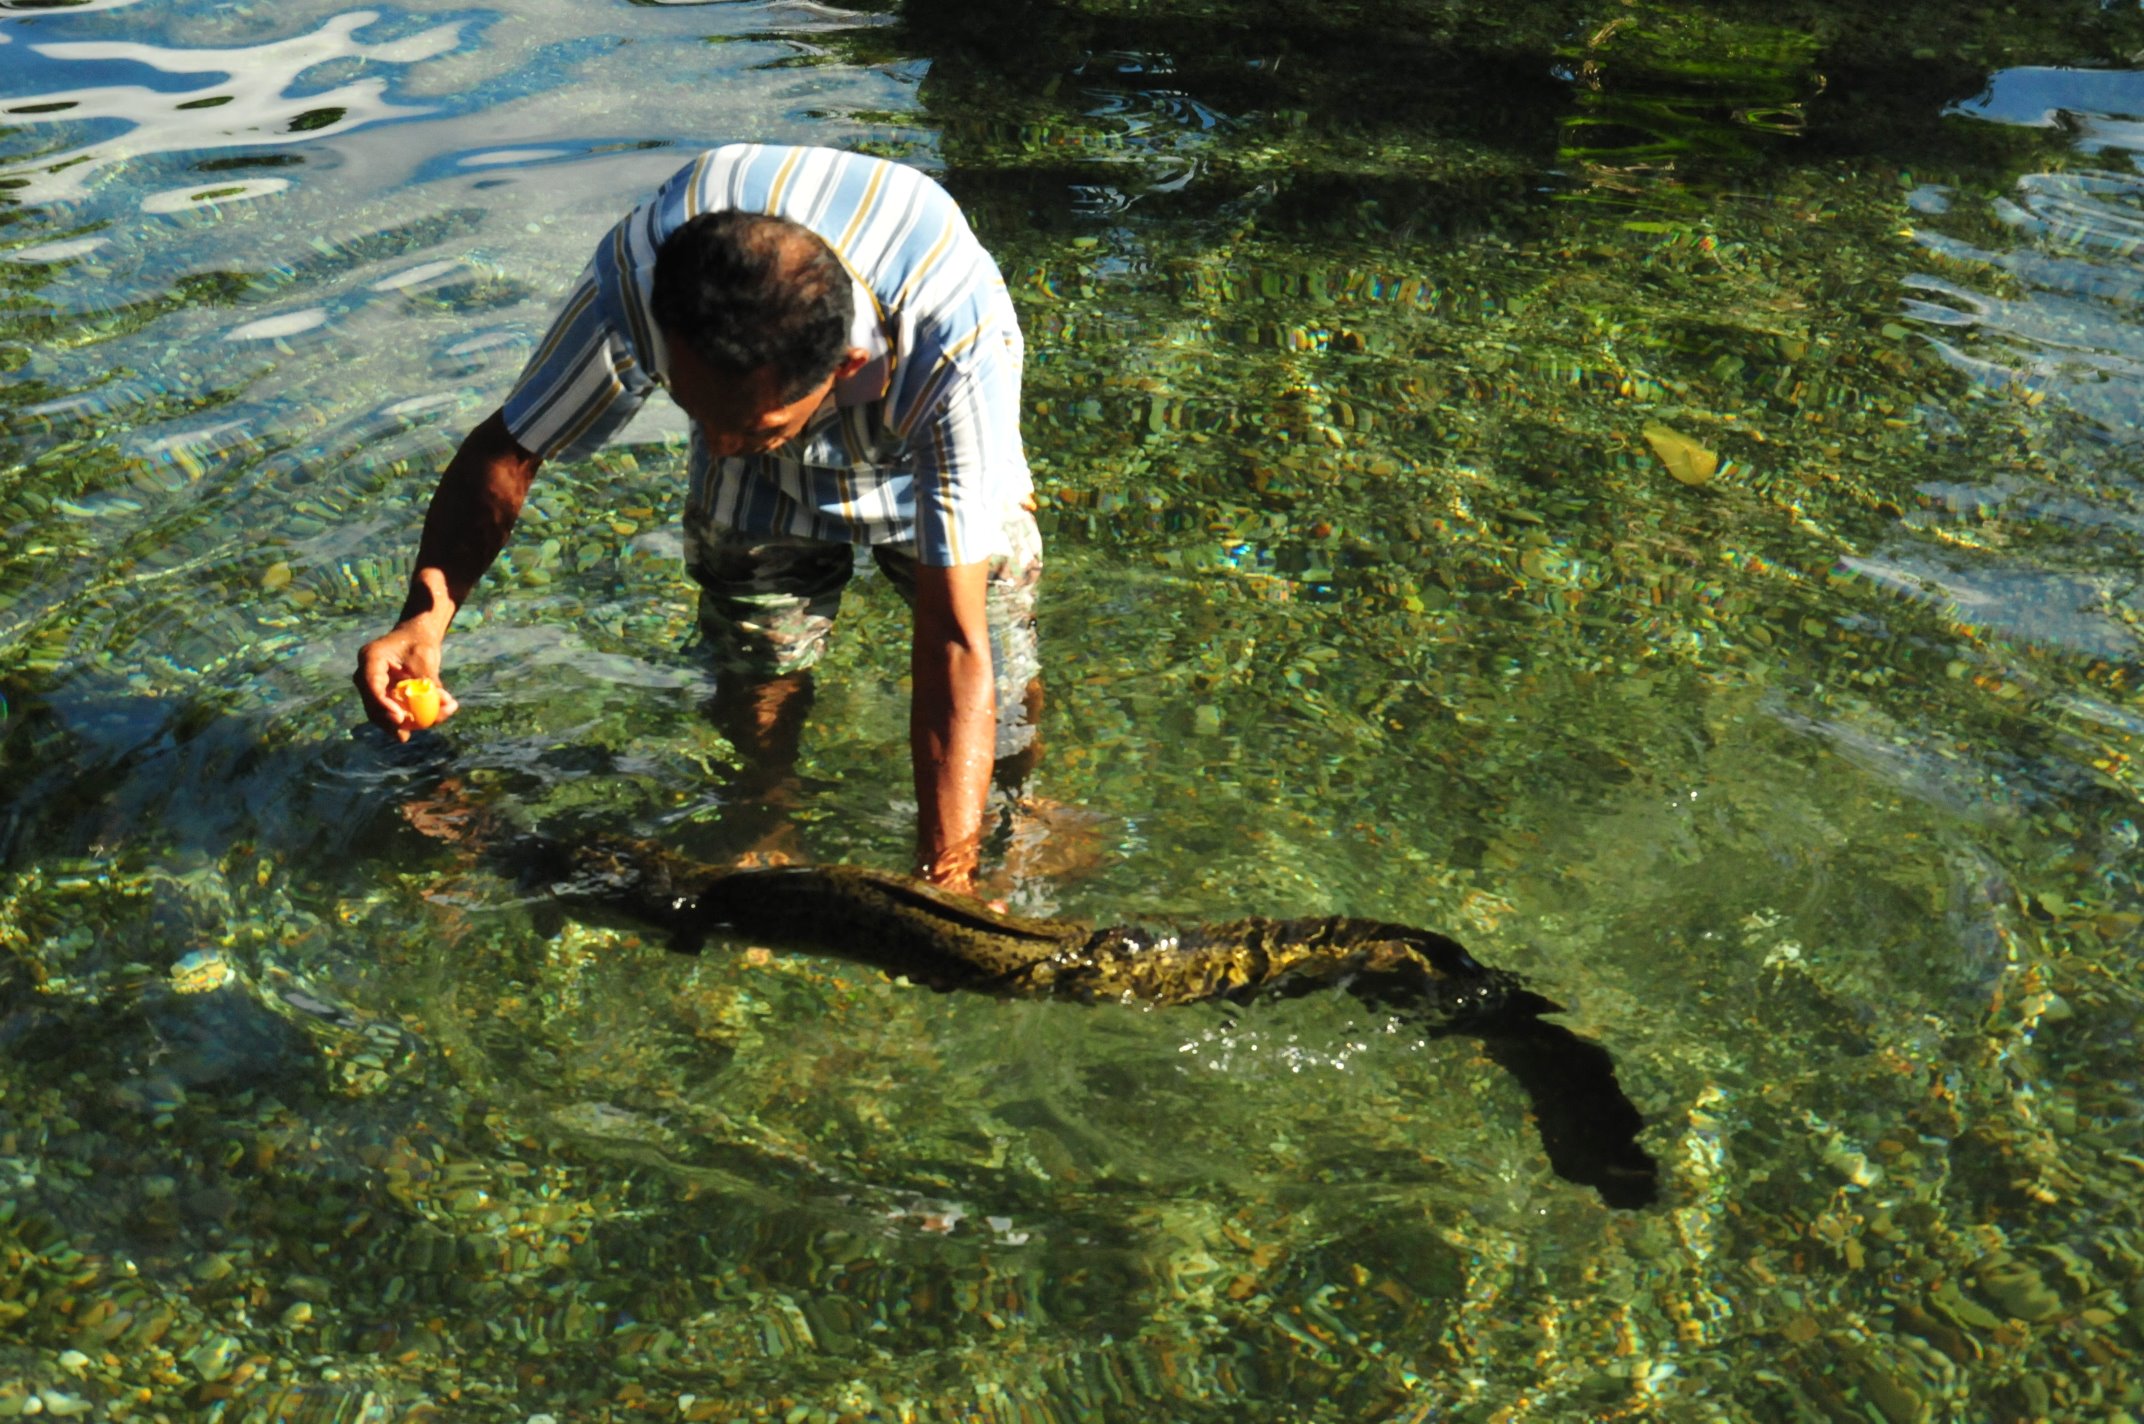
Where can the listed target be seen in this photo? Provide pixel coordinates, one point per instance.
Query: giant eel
(1586, 1123)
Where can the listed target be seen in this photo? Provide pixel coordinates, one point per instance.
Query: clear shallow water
(1658, 503)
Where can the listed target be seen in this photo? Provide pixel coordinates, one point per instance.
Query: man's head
(757, 312)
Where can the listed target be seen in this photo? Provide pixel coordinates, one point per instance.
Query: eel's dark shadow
(1588, 1127)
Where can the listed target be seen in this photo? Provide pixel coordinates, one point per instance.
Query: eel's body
(949, 941)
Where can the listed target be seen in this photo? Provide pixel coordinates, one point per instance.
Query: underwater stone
(212, 1358)
(2019, 1289)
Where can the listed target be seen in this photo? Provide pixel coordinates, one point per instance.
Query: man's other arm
(952, 721)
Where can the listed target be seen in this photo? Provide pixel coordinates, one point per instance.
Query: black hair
(745, 290)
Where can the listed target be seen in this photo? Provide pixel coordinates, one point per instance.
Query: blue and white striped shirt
(920, 447)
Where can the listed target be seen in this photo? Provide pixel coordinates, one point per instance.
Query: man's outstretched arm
(473, 510)
(952, 721)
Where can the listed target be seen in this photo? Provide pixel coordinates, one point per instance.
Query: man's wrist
(429, 609)
(945, 848)
(955, 867)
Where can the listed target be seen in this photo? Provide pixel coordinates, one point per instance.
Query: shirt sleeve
(582, 385)
(971, 469)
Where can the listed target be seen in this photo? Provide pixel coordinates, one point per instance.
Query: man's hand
(479, 496)
(952, 874)
(412, 649)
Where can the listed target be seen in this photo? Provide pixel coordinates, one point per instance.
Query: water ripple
(2048, 310)
(271, 107)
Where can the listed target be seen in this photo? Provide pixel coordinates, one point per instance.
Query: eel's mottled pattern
(947, 941)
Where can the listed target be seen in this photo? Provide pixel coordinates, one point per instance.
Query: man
(851, 364)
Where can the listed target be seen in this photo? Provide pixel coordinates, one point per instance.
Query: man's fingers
(381, 710)
(389, 716)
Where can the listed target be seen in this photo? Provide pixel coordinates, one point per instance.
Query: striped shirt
(921, 447)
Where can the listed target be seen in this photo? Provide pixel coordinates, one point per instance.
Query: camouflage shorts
(767, 602)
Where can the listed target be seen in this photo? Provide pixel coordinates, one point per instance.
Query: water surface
(1651, 493)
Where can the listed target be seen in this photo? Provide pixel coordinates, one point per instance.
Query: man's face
(743, 417)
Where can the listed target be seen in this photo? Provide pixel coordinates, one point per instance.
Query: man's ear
(851, 363)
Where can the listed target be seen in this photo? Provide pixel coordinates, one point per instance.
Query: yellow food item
(419, 696)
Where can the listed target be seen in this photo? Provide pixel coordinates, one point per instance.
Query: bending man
(851, 364)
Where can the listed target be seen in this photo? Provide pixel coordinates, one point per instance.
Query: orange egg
(420, 698)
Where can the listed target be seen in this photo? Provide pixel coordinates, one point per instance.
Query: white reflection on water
(2053, 317)
(284, 324)
(2006, 601)
(209, 195)
(56, 251)
(501, 157)
(79, 7)
(246, 101)
(423, 272)
(2042, 317)
(2052, 97)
